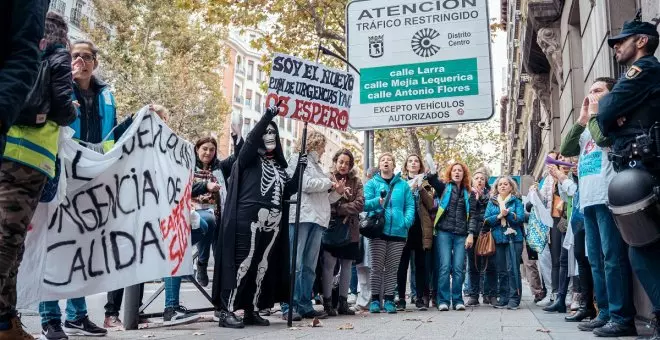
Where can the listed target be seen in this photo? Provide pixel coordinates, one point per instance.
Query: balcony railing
(58, 6)
(238, 100)
(76, 17)
(248, 103)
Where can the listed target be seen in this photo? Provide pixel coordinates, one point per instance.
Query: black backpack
(37, 104)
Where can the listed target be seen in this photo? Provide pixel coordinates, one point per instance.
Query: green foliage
(164, 52)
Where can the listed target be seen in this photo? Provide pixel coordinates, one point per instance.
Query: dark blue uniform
(636, 97)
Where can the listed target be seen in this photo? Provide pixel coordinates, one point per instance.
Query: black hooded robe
(248, 275)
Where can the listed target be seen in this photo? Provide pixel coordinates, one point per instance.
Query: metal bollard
(131, 307)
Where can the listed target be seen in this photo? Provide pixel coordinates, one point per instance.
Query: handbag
(536, 233)
(337, 234)
(485, 245)
(372, 226)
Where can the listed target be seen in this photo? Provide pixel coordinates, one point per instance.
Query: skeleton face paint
(270, 138)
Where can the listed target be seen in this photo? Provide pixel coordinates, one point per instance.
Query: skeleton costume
(250, 227)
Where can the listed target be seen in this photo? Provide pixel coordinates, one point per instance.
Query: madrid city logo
(422, 42)
(376, 46)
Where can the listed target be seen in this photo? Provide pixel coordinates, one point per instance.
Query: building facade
(556, 50)
(242, 79)
(76, 12)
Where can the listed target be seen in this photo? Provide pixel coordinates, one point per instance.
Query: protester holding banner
(210, 192)
(318, 192)
(25, 170)
(96, 119)
(386, 249)
(420, 235)
(346, 248)
(251, 224)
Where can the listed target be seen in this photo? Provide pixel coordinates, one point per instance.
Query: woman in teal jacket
(386, 250)
(505, 216)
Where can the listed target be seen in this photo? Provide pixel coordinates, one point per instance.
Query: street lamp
(449, 133)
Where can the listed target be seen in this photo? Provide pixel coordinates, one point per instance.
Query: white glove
(510, 231)
(237, 124)
(195, 220)
(430, 164)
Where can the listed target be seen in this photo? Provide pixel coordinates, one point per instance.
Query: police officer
(630, 110)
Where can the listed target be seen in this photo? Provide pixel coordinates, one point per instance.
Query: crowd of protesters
(453, 232)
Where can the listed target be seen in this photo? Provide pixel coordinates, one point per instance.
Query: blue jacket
(400, 213)
(94, 129)
(515, 219)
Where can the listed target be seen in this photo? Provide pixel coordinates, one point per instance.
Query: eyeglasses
(86, 57)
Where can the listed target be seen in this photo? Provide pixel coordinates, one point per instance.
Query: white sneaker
(545, 302)
(460, 306)
(352, 298)
(443, 308)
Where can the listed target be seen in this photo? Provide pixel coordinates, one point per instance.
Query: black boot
(202, 274)
(586, 310)
(559, 306)
(343, 307)
(327, 307)
(229, 320)
(253, 318)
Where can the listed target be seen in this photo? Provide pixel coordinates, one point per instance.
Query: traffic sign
(420, 62)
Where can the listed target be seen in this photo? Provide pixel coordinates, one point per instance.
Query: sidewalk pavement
(483, 322)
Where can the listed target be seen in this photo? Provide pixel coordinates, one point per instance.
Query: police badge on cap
(634, 27)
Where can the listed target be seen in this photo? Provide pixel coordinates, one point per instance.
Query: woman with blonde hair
(319, 191)
(505, 216)
(453, 232)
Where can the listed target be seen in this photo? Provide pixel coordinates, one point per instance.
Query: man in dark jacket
(21, 29)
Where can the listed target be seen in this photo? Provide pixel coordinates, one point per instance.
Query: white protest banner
(114, 219)
(420, 62)
(310, 92)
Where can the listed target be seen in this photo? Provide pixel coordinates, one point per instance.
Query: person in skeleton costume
(250, 227)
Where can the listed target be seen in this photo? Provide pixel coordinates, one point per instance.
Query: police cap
(634, 27)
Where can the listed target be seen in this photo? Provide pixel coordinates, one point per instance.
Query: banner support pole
(294, 245)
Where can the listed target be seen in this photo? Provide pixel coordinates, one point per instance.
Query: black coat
(62, 110)
(276, 281)
(454, 220)
(21, 28)
(477, 221)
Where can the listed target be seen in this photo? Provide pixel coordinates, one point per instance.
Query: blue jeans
(510, 284)
(645, 263)
(173, 284)
(612, 274)
(450, 253)
(76, 309)
(354, 280)
(482, 275)
(413, 272)
(207, 224)
(309, 247)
